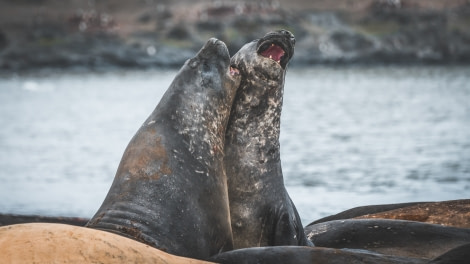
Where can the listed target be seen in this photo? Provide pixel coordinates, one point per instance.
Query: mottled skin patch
(449, 213)
(170, 189)
(261, 210)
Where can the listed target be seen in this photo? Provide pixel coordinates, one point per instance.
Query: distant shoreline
(109, 35)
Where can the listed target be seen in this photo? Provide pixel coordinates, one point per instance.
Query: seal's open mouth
(278, 46)
(273, 52)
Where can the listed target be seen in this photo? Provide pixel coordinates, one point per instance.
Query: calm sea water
(349, 137)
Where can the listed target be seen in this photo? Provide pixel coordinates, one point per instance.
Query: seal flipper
(288, 229)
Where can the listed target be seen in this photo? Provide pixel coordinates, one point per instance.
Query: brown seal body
(261, 210)
(170, 188)
(59, 243)
(454, 213)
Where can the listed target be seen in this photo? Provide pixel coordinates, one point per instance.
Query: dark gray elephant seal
(390, 237)
(170, 188)
(261, 210)
(309, 255)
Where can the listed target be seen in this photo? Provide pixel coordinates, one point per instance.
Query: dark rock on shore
(13, 219)
(104, 34)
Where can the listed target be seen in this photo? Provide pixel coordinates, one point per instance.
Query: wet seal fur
(170, 188)
(261, 210)
(391, 237)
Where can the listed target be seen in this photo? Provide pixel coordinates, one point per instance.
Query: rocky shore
(101, 35)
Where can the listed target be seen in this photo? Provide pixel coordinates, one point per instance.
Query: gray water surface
(349, 136)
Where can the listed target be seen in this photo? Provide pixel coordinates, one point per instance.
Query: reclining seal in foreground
(170, 188)
(60, 243)
(261, 210)
(390, 237)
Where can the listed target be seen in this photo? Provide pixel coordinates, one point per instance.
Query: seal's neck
(252, 144)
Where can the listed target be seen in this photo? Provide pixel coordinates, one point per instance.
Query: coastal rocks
(165, 35)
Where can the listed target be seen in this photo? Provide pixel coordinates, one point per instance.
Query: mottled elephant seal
(170, 188)
(261, 210)
(449, 213)
(59, 243)
(391, 237)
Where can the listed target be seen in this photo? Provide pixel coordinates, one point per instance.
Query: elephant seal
(309, 255)
(59, 243)
(390, 237)
(450, 213)
(261, 210)
(170, 189)
(363, 210)
(454, 213)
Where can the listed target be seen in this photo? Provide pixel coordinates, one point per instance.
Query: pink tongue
(274, 52)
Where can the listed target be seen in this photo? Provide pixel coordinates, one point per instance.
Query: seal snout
(278, 46)
(214, 48)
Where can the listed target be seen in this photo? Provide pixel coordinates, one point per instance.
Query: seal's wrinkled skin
(261, 210)
(170, 189)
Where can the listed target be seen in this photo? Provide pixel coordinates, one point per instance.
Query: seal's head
(268, 56)
(262, 64)
(210, 70)
(202, 94)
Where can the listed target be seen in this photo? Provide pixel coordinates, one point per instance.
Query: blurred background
(376, 103)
